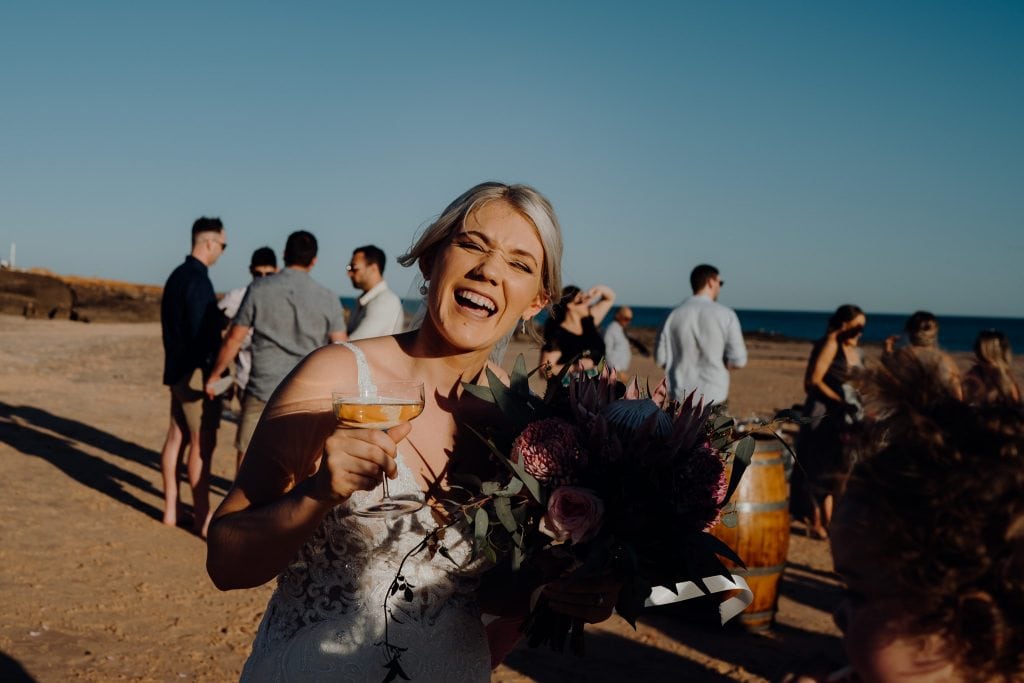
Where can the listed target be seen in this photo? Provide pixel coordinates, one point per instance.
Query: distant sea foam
(956, 333)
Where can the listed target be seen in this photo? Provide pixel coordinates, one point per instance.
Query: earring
(423, 289)
(524, 326)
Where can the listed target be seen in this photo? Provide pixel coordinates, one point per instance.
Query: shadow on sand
(609, 658)
(39, 433)
(12, 671)
(769, 654)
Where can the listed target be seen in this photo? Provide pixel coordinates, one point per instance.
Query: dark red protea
(700, 484)
(550, 451)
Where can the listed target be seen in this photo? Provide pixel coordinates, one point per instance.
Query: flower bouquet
(598, 478)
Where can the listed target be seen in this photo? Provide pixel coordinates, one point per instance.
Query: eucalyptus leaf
(730, 519)
(532, 485)
(517, 549)
(491, 554)
(481, 522)
(503, 509)
(489, 488)
(511, 489)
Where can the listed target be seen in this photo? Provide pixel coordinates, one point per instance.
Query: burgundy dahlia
(550, 451)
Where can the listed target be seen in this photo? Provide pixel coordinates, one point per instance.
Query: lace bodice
(326, 617)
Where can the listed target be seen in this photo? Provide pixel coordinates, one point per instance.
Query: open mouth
(476, 302)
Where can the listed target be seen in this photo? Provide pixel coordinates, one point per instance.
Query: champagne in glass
(390, 404)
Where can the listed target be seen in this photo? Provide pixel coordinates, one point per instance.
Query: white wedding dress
(326, 618)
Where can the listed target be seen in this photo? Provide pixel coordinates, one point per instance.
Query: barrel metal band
(750, 616)
(760, 571)
(765, 463)
(761, 507)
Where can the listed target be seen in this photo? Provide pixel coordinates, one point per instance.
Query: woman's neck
(440, 365)
(573, 321)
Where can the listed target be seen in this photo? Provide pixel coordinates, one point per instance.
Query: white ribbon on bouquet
(687, 590)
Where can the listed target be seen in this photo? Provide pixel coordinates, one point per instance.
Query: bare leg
(826, 510)
(199, 465)
(170, 457)
(238, 461)
(817, 528)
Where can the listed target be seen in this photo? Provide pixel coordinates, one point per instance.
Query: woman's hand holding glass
(381, 407)
(357, 460)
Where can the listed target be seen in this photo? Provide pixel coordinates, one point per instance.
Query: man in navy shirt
(191, 325)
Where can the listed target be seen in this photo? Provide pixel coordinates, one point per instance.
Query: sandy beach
(96, 589)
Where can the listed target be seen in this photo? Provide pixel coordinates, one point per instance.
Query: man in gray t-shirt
(290, 315)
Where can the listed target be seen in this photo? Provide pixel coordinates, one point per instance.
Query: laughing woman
(491, 260)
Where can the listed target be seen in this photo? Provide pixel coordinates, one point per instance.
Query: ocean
(956, 333)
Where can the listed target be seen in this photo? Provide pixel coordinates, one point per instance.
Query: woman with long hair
(571, 330)
(990, 379)
(491, 261)
(834, 358)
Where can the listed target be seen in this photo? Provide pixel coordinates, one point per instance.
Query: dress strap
(366, 385)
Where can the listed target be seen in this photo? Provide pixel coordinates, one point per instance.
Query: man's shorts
(190, 405)
(252, 408)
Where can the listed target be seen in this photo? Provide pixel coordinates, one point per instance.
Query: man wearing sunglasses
(191, 328)
(378, 311)
(262, 264)
(701, 341)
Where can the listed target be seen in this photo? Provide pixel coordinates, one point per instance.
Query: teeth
(478, 299)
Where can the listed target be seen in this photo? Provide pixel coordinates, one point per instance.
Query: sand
(96, 589)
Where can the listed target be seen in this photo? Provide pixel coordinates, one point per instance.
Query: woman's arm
(600, 308)
(953, 377)
(816, 378)
(298, 467)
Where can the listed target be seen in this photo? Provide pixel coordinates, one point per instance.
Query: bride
(491, 261)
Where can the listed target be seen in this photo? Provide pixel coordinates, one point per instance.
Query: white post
(12, 256)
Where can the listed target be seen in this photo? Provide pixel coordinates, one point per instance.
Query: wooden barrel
(761, 536)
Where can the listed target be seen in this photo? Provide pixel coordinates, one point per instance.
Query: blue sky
(817, 152)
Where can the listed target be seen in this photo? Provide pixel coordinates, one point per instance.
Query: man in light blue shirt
(617, 353)
(701, 341)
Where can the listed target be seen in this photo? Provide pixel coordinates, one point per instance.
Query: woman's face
(487, 277)
(871, 617)
(851, 331)
(579, 303)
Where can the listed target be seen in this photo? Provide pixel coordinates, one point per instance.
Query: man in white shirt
(617, 353)
(378, 311)
(701, 341)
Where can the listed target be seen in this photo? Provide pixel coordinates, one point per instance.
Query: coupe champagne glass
(380, 407)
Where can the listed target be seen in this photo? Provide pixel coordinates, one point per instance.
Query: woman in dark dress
(819, 446)
(571, 331)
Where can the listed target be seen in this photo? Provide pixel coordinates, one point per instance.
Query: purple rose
(574, 514)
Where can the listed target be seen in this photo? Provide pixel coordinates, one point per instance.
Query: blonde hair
(991, 379)
(527, 201)
(993, 347)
